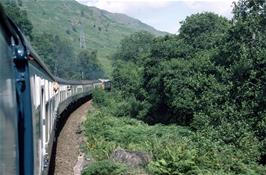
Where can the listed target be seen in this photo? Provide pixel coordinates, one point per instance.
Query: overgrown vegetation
(19, 16)
(175, 149)
(202, 92)
(105, 167)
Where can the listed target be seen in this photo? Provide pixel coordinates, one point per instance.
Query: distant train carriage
(106, 84)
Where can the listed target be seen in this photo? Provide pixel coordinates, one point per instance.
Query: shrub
(105, 167)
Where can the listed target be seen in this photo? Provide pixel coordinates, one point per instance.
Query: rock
(131, 158)
(79, 165)
(79, 130)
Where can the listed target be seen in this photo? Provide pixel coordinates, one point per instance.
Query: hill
(97, 29)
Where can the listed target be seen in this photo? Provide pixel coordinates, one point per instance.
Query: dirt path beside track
(69, 141)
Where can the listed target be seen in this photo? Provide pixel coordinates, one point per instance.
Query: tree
(203, 30)
(45, 47)
(135, 47)
(65, 65)
(243, 58)
(57, 54)
(20, 17)
(128, 72)
(89, 66)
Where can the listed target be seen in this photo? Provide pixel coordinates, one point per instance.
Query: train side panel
(40, 96)
(49, 99)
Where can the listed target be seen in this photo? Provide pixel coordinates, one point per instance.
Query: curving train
(31, 101)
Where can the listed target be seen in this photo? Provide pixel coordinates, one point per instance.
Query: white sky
(163, 15)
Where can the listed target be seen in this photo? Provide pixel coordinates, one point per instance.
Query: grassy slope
(103, 30)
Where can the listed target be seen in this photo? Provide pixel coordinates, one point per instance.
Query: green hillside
(70, 20)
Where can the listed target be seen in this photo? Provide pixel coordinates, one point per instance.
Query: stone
(79, 165)
(131, 158)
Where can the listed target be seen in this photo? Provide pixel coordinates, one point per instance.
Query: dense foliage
(19, 16)
(175, 149)
(210, 78)
(59, 55)
(89, 66)
(105, 167)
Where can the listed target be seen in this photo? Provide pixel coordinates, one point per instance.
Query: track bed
(69, 141)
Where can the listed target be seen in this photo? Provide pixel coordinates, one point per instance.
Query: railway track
(69, 141)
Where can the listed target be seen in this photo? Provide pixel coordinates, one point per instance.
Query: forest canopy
(210, 79)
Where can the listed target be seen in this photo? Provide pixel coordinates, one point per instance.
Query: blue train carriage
(31, 101)
(8, 105)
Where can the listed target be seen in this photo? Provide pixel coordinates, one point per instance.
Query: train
(105, 84)
(31, 102)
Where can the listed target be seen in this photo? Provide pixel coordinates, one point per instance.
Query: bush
(99, 97)
(105, 167)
